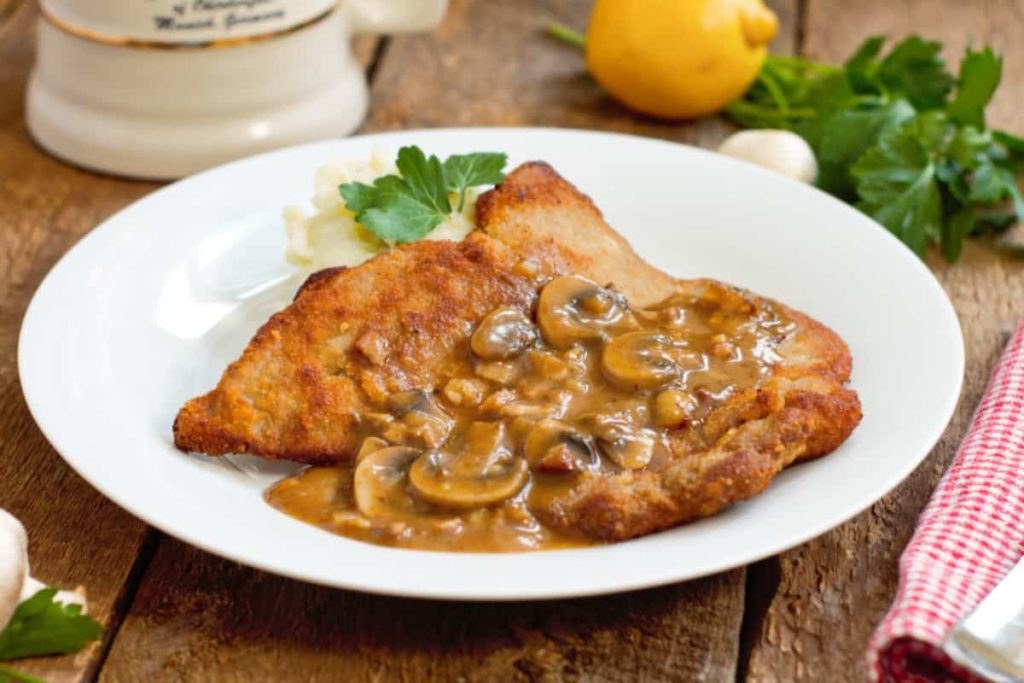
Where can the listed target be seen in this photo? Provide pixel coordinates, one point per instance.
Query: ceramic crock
(164, 88)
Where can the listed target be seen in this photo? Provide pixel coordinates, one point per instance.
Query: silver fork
(990, 640)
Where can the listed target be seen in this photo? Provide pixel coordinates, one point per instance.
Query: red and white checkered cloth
(970, 535)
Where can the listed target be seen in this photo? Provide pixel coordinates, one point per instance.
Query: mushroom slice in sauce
(476, 470)
(503, 334)
(631, 448)
(554, 446)
(621, 435)
(646, 360)
(379, 482)
(574, 309)
(415, 400)
(418, 420)
(370, 444)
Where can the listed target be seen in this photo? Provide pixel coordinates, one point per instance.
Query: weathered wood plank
(836, 589)
(198, 617)
(76, 536)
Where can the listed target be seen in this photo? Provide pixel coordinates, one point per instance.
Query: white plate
(147, 310)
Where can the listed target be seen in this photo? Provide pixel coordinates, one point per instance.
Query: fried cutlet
(355, 336)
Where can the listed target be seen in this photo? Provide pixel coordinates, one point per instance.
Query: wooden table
(174, 612)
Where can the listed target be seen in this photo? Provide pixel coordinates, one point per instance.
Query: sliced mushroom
(554, 446)
(503, 334)
(633, 449)
(419, 420)
(573, 309)
(414, 400)
(479, 470)
(629, 447)
(646, 360)
(621, 438)
(370, 444)
(379, 482)
(558, 367)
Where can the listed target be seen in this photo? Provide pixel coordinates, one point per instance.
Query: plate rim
(824, 523)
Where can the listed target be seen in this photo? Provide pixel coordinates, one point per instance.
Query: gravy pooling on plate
(588, 387)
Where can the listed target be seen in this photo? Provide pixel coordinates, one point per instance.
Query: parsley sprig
(899, 136)
(43, 626)
(405, 207)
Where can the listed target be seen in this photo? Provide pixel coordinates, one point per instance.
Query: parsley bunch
(403, 208)
(899, 136)
(43, 626)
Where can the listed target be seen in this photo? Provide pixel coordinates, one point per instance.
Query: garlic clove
(777, 150)
(30, 587)
(16, 585)
(13, 564)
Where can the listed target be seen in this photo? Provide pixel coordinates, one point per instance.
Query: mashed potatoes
(330, 235)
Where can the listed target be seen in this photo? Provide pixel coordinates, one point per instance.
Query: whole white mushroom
(16, 585)
(777, 150)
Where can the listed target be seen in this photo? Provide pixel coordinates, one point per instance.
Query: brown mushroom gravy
(588, 386)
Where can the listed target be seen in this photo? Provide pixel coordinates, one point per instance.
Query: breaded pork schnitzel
(355, 337)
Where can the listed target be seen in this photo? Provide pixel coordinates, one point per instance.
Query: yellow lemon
(678, 58)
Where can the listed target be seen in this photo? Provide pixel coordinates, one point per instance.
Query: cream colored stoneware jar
(165, 88)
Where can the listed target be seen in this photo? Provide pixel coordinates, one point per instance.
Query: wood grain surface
(177, 613)
(198, 618)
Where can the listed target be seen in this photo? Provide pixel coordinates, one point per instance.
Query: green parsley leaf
(992, 183)
(1011, 142)
(959, 226)
(897, 187)
(792, 93)
(969, 147)
(404, 208)
(425, 176)
(43, 626)
(965, 149)
(464, 171)
(892, 136)
(915, 68)
(980, 73)
(847, 134)
(933, 130)
(1010, 149)
(392, 210)
(862, 66)
(359, 197)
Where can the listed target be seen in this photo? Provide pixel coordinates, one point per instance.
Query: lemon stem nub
(566, 34)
